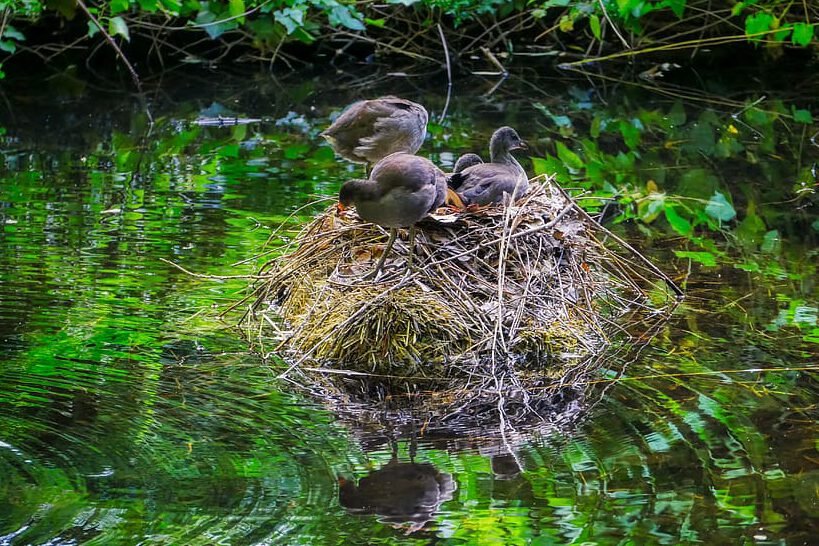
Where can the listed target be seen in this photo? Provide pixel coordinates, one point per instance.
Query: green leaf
(550, 165)
(720, 209)
(594, 24)
(676, 6)
(677, 222)
(118, 6)
(677, 114)
(568, 157)
(756, 23)
(8, 46)
(802, 34)
(802, 116)
(237, 8)
(118, 26)
(705, 258)
(772, 242)
(149, 5)
(375, 22)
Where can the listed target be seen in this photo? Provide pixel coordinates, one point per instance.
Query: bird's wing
(486, 183)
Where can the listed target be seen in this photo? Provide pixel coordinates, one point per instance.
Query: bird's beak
(522, 146)
(340, 208)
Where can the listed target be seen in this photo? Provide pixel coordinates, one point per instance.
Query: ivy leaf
(720, 209)
(13, 33)
(92, 29)
(118, 26)
(341, 15)
(802, 34)
(291, 18)
(568, 157)
(8, 46)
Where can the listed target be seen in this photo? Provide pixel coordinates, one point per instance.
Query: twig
(448, 74)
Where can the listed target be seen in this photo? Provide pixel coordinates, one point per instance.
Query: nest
(523, 295)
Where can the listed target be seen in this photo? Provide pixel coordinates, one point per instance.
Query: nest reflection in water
(506, 305)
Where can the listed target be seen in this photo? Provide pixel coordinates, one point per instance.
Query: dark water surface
(129, 414)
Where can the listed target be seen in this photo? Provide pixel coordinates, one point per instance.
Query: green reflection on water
(129, 414)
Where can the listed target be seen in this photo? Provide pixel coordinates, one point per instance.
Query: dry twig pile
(508, 297)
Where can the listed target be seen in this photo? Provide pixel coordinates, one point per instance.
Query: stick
(448, 73)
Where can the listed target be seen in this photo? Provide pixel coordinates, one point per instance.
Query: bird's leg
(411, 244)
(390, 242)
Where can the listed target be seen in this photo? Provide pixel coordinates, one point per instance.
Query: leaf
(772, 242)
(566, 24)
(802, 116)
(290, 18)
(676, 6)
(8, 46)
(148, 5)
(677, 222)
(236, 8)
(677, 114)
(403, 2)
(568, 157)
(802, 34)
(375, 22)
(720, 209)
(92, 29)
(118, 6)
(757, 23)
(550, 165)
(705, 258)
(13, 33)
(342, 15)
(118, 26)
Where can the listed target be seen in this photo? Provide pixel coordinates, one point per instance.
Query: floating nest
(502, 302)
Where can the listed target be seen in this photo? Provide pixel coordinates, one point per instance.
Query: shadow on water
(130, 414)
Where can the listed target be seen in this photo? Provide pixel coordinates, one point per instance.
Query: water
(130, 414)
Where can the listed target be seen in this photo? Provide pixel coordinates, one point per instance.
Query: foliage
(267, 24)
(621, 155)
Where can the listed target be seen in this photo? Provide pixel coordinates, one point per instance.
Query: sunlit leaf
(13, 33)
(236, 8)
(705, 258)
(594, 24)
(720, 209)
(118, 26)
(802, 34)
(118, 6)
(568, 157)
(677, 222)
(343, 16)
(757, 23)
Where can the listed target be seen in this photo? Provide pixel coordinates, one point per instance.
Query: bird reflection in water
(405, 495)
